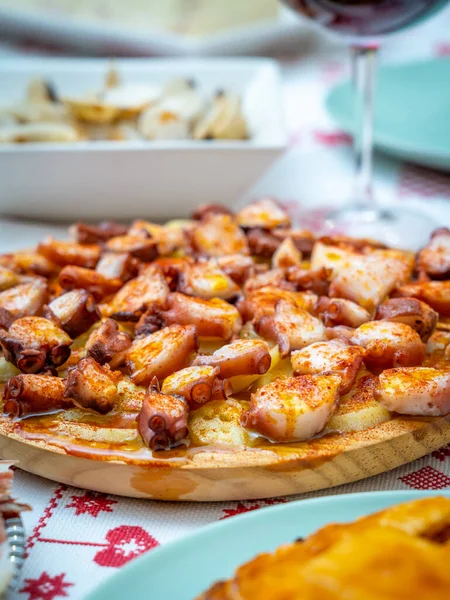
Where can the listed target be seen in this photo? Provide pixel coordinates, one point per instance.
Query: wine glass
(364, 23)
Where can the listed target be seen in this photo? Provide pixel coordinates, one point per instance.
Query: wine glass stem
(363, 69)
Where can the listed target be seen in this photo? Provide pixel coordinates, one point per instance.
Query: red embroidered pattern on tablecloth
(442, 453)
(46, 587)
(333, 138)
(92, 504)
(53, 503)
(242, 508)
(426, 183)
(124, 544)
(426, 478)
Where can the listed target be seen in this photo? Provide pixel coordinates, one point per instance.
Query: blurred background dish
(411, 111)
(157, 179)
(169, 27)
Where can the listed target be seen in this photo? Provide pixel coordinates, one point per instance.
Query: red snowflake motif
(426, 478)
(442, 453)
(334, 138)
(124, 543)
(241, 508)
(91, 504)
(46, 587)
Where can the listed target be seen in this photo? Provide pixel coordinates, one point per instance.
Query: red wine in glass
(364, 23)
(366, 17)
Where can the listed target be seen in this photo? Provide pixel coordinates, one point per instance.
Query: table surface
(79, 538)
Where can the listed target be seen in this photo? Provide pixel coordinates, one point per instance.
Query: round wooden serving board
(206, 474)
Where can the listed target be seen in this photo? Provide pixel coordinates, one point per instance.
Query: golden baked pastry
(399, 553)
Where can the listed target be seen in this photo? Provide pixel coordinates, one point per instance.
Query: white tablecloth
(79, 538)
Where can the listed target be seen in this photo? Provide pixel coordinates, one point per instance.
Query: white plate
(287, 31)
(152, 179)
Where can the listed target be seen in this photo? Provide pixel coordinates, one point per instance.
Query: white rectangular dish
(153, 179)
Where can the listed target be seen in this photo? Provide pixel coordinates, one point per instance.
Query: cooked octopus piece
(336, 355)
(212, 318)
(133, 299)
(262, 302)
(84, 233)
(204, 210)
(418, 315)
(241, 357)
(217, 235)
(6, 318)
(265, 213)
(262, 243)
(293, 409)
(117, 265)
(29, 263)
(198, 384)
(291, 327)
(33, 344)
(275, 278)
(34, 394)
(302, 238)
(163, 420)
(314, 280)
(389, 344)
(161, 353)
(286, 255)
(206, 280)
(72, 277)
(108, 344)
(142, 247)
(434, 259)
(9, 278)
(169, 238)
(339, 332)
(434, 293)
(74, 311)
(92, 386)
(368, 279)
(25, 299)
(70, 253)
(339, 311)
(419, 391)
(238, 266)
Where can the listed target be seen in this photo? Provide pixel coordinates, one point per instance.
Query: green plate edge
(184, 568)
(410, 83)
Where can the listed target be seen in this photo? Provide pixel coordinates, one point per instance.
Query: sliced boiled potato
(218, 422)
(359, 409)
(131, 396)
(95, 433)
(281, 370)
(367, 416)
(243, 382)
(209, 345)
(7, 370)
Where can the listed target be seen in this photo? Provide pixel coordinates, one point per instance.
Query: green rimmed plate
(183, 569)
(412, 111)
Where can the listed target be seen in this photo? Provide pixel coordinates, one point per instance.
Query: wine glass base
(396, 227)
